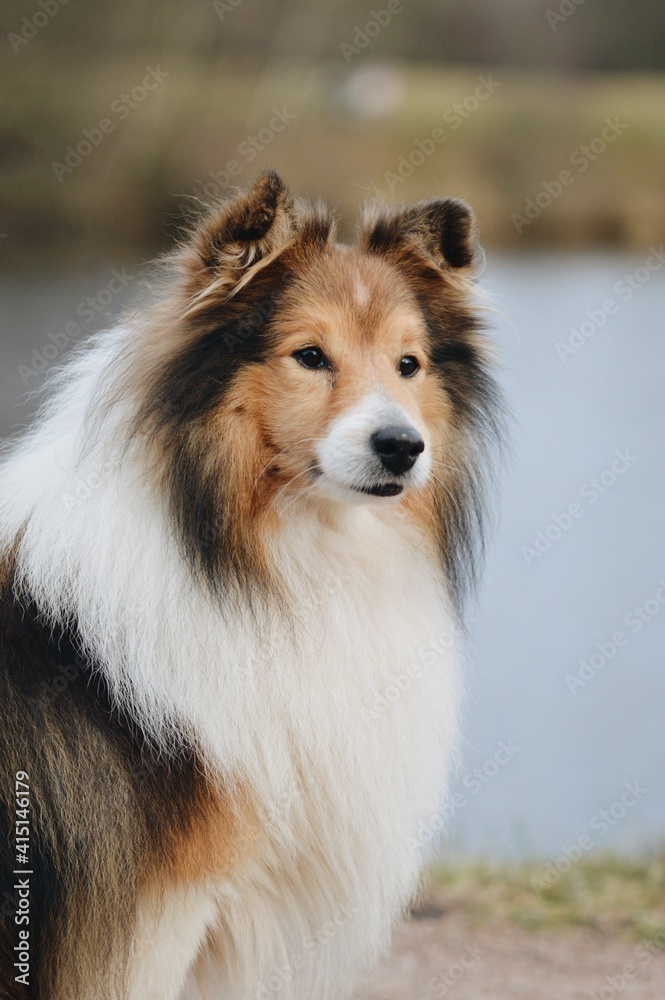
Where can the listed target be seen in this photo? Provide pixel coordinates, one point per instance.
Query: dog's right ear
(442, 231)
(241, 232)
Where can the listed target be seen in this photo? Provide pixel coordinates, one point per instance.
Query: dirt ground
(440, 953)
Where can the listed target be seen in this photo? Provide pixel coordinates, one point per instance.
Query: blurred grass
(130, 192)
(608, 894)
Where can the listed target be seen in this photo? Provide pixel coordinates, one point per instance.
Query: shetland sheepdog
(233, 551)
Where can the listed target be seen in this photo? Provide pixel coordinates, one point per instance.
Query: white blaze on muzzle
(353, 454)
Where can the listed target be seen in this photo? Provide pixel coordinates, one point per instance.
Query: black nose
(398, 448)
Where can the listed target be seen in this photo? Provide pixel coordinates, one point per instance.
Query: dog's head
(288, 370)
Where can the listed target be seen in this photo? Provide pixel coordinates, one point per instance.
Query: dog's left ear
(442, 231)
(244, 230)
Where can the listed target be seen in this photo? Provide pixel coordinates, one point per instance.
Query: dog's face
(343, 401)
(302, 372)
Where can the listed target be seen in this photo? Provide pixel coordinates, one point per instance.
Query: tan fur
(267, 428)
(224, 834)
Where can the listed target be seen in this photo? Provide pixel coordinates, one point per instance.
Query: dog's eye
(408, 366)
(312, 357)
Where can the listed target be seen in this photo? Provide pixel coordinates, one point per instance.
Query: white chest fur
(345, 721)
